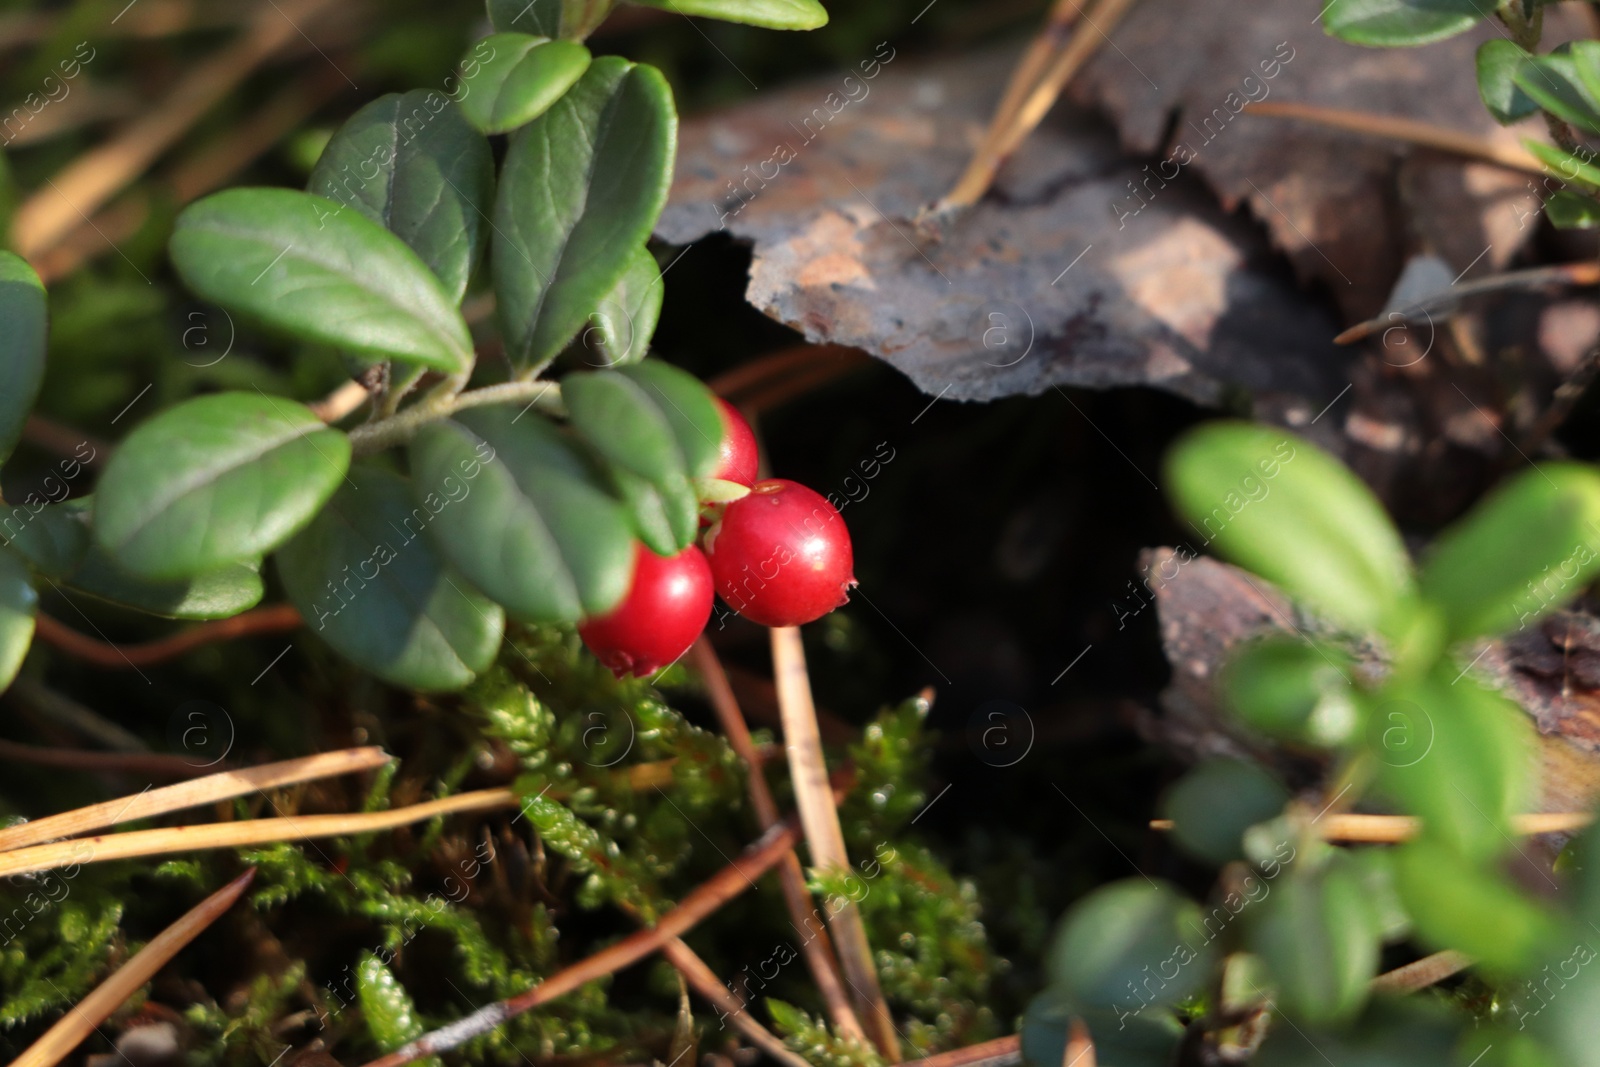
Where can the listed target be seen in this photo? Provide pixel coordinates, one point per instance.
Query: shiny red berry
(668, 604)
(781, 556)
(737, 455)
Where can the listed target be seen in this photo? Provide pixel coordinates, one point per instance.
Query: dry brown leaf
(1037, 286)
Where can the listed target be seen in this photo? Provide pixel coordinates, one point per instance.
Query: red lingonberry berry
(781, 556)
(737, 455)
(668, 604)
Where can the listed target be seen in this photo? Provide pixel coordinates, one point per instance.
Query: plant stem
(274, 618)
(1422, 973)
(396, 429)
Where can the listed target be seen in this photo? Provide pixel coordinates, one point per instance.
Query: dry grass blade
(1391, 829)
(135, 843)
(85, 185)
(214, 787)
(156, 764)
(1580, 274)
(824, 836)
(815, 944)
(1422, 134)
(1422, 973)
(1080, 1048)
(1001, 1052)
(275, 618)
(703, 980)
(90, 1012)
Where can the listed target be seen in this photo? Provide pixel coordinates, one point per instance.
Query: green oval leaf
(690, 410)
(1120, 934)
(1564, 165)
(1215, 803)
(1458, 904)
(374, 587)
(1566, 84)
(1122, 1038)
(1282, 507)
(530, 521)
(213, 481)
(1498, 62)
(1400, 23)
(1568, 210)
(298, 263)
(523, 75)
(771, 14)
(18, 606)
(1320, 940)
(572, 19)
(24, 321)
(665, 517)
(1526, 549)
(580, 191)
(1459, 756)
(1292, 689)
(413, 165)
(625, 319)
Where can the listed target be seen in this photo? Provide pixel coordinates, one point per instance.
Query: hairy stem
(441, 404)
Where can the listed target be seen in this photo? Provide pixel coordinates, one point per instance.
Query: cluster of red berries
(779, 556)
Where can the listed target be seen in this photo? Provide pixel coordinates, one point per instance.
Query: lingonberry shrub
(666, 607)
(781, 556)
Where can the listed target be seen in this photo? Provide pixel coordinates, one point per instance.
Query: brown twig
(1580, 274)
(703, 980)
(63, 440)
(762, 373)
(68, 1033)
(208, 790)
(341, 402)
(824, 836)
(1394, 128)
(85, 185)
(1001, 1052)
(156, 764)
(701, 902)
(135, 843)
(1565, 398)
(1392, 829)
(274, 618)
(815, 944)
(1422, 973)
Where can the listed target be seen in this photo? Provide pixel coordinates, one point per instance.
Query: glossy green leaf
(1115, 938)
(1401, 23)
(1568, 210)
(1526, 549)
(24, 320)
(387, 1008)
(1457, 904)
(1564, 165)
(1499, 60)
(18, 605)
(665, 517)
(771, 14)
(411, 163)
(580, 191)
(371, 584)
(1122, 1037)
(1459, 756)
(1566, 84)
(300, 264)
(522, 76)
(53, 538)
(215, 480)
(1290, 688)
(1282, 507)
(529, 520)
(1319, 938)
(1216, 802)
(690, 410)
(571, 19)
(621, 326)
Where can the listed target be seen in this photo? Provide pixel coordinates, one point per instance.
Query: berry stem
(819, 815)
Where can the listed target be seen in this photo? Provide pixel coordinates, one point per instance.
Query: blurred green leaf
(18, 605)
(412, 164)
(301, 264)
(1285, 509)
(572, 19)
(771, 14)
(1526, 549)
(580, 191)
(1391, 1033)
(1115, 947)
(215, 480)
(1499, 61)
(1568, 210)
(1121, 1039)
(1455, 754)
(1566, 84)
(217, 594)
(534, 526)
(24, 319)
(1215, 803)
(1564, 165)
(1319, 937)
(1399, 23)
(1457, 904)
(522, 77)
(1290, 688)
(371, 585)
(626, 318)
